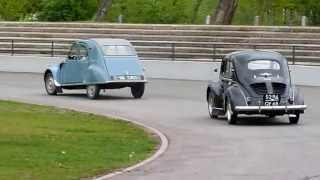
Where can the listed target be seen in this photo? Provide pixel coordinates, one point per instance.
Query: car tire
(93, 91)
(231, 116)
(271, 116)
(212, 106)
(51, 88)
(137, 90)
(294, 120)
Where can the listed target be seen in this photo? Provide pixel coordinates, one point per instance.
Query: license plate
(271, 99)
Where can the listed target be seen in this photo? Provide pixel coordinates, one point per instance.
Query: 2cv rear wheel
(93, 91)
(137, 90)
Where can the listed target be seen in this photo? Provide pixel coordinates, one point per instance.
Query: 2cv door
(75, 66)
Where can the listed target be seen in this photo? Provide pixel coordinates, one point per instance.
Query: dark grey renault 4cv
(254, 82)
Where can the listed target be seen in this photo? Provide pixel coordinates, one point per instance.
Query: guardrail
(177, 51)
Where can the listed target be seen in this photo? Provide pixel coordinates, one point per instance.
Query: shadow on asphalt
(101, 97)
(257, 121)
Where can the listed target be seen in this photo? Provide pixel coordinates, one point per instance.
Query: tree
(15, 10)
(224, 12)
(103, 9)
(196, 10)
(67, 10)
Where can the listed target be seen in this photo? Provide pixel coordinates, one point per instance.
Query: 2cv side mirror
(215, 70)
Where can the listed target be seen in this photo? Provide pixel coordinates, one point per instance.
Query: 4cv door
(73, 69)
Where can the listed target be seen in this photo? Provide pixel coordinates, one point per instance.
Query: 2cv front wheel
(49, 84)
(137, 90)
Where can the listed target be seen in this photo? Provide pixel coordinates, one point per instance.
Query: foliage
(150, 11)
(67, 10)
(278, 12)
(13, 10)
(40, 142)
(272, 12)
(310, 8)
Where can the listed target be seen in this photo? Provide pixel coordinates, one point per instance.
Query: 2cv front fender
(55, 71)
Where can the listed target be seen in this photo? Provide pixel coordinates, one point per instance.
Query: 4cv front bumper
(289, 109)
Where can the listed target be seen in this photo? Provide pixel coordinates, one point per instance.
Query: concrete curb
(163, 147)
(164, 142)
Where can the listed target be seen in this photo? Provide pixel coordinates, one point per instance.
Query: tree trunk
(104, 7)
(224, 12)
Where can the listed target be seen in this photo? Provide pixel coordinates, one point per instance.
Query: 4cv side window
(226, 70)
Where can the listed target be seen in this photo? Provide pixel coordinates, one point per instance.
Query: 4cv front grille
(279, 88)
(261, 88)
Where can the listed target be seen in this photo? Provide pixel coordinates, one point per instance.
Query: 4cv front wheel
(137, 90)
(212, 106)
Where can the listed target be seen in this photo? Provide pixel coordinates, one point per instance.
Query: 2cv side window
(74, 52)
(83, 52)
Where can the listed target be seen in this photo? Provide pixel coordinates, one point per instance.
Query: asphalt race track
(200, 148)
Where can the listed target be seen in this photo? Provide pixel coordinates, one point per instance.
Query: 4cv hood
(118, 66)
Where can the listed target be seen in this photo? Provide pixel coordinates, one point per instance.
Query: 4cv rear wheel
(231, 115)
(294, 119)
(137, 90)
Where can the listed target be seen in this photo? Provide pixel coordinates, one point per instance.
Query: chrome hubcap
(91, 90)
(50, 84)
(229, 112)
(210, 104)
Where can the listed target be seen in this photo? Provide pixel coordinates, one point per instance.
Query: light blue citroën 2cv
(96, 64)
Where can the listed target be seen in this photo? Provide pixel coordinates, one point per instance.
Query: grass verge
(39, 142)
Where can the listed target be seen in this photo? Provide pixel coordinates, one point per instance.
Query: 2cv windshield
(118, 50)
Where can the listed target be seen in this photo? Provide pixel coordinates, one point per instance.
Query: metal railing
(292, 58)
(172, 51)
(14, 50)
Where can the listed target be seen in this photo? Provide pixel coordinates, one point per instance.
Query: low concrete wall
(302, 75)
